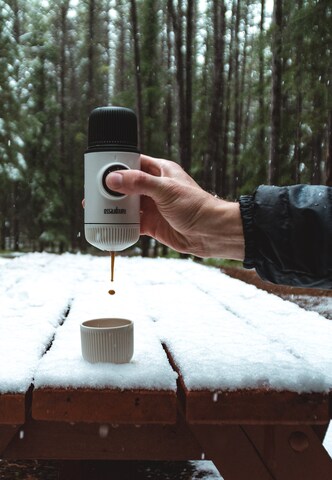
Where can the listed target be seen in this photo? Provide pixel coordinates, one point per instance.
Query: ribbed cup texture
(107, 344)
(112, 237)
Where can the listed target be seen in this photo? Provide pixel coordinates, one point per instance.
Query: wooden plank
(79, 441)
(113, 406)
(12, 408)
(320, 431)
(231, 451)
(7, 433)
(291, 452)
(256, 407)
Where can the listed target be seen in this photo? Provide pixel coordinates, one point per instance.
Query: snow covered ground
(222, 332)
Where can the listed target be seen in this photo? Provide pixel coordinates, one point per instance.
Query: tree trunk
(276, 100)
(120, 67)
(262, 160)
(296, 171)
(169, 104)
(3, 229)
(138, 80)
(328, 164)
(217, 114)
(317, 156)
(225, 150)
(243, 68)
(188, 76)
(317, 141)
(107, 49)
(16, 216)
(181, 79)
(177, 27)
(237, 124)
(62, 93)
(91, 57)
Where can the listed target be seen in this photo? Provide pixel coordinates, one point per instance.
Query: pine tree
(12, 162)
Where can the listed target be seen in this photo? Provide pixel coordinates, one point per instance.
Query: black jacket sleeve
(288, 234)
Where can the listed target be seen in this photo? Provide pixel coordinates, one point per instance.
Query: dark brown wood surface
(95, 441)
(253, 407)
(12, 408)
(104, 405)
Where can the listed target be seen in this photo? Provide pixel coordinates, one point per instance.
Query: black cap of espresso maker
(112, 128)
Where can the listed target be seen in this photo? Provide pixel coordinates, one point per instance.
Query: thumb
(135, 182)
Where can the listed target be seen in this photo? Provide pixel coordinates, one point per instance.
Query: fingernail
(114, 180)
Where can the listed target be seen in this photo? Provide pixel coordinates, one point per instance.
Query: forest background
(238, 92)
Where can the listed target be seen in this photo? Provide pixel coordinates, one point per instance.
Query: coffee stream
(112, 292)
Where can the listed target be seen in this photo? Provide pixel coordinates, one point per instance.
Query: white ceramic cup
(107, 340)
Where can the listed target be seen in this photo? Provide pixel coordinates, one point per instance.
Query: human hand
(179, 213)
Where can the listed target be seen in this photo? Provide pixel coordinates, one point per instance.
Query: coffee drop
(111, 292)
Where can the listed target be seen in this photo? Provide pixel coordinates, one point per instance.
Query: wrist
(224, 232)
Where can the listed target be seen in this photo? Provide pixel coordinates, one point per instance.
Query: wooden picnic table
(262, 433)
(247, 434)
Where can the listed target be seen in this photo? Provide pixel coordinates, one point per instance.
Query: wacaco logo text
(115, 210)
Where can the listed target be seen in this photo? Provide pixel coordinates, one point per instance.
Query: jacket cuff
(246, 208)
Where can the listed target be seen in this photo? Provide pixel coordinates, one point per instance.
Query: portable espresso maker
(111, 219)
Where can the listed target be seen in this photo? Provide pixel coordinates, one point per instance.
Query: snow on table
(221, 332)
(226, 334)
(63, 365)
(34, 295)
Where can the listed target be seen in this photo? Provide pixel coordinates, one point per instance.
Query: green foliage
(59, 61)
